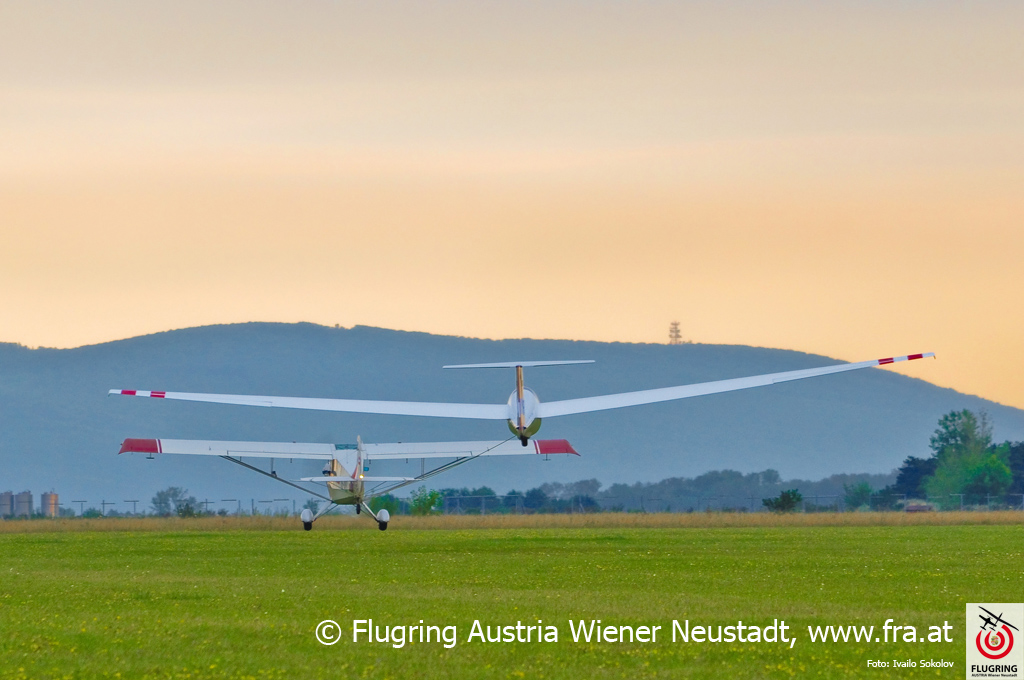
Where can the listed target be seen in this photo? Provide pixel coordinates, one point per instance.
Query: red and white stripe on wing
(909, 357)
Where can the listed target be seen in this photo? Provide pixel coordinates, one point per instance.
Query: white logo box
(995, 640)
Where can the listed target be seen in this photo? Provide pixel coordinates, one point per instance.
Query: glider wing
(390, 408)
(550, 409)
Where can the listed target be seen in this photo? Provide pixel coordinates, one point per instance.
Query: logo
(990, 641)
(993, 649)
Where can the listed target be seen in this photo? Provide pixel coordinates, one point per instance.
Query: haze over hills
(59, 430)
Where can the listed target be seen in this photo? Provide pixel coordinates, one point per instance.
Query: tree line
(965, 468)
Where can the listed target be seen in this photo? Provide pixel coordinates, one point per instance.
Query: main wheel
(382, 526)
(308, 526)
(359, 508)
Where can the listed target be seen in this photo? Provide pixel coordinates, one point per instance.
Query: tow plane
(346, 465)
(524, 410)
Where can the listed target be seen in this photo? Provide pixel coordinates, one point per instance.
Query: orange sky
(841, 179)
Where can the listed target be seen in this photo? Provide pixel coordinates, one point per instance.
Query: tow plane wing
(508, 447)
(344, 471)
(196, 447)
(397, 451)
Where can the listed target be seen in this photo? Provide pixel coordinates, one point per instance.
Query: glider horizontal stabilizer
(523, 364)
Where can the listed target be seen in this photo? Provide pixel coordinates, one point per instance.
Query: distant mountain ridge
(59, 430)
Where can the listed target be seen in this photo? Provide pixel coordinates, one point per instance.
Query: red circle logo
(985, 642)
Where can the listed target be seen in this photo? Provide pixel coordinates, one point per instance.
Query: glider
(523, 410)
(346, 465)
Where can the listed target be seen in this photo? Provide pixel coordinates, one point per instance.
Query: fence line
(811, 503)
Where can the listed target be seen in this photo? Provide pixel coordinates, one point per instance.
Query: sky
(838, 178)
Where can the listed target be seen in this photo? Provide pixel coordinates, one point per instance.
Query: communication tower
(674, 336)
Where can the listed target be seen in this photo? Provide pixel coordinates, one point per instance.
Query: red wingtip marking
(158, 395)
(914, 356)
(545, 446)
(130, 393)
(140, 446)
(882, 362)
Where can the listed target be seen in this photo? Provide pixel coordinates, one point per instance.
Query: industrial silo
(6, 504)
(23, 504)
(50, 505)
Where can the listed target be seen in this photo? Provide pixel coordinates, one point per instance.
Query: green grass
(244, 604)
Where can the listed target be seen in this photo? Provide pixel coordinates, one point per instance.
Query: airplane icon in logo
(989, 621)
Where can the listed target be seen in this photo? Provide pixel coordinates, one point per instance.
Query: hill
(59, 430)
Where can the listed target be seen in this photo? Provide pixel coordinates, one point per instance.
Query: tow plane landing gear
(382, 516)
(307, 519)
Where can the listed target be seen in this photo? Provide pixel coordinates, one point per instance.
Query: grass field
(202, 600)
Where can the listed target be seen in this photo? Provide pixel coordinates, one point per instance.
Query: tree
(968, 466)
(173, 500)
(857, 495)
(961, 430)
(584, 503)
(385, 502)
(785, 502)
(535, 499)
(974, 475)
(186, 508)
(511, 498)
(1015, 461)
(423, 502)
(911, 476)
(311, 504)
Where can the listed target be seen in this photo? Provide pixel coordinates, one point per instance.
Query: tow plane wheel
(383, 517)
(307, 519)
(359, 508)
(383, 526)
